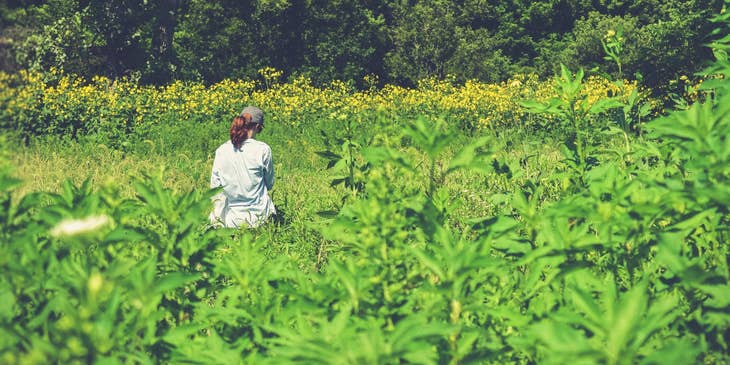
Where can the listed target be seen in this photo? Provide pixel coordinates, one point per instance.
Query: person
(244, 168)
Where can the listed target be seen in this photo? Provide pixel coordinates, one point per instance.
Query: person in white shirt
(244, 167)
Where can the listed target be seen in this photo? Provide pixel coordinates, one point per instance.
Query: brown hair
(239, 129)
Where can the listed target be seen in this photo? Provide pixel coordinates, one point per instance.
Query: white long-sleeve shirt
(247, 176)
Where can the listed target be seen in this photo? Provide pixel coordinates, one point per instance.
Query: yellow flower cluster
(55, 103)
(688, 91)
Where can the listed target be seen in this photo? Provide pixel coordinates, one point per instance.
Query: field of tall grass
(567, 220)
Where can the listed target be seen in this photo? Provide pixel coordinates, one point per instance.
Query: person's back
(244, 168)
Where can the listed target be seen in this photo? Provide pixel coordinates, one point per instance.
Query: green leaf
(563, 341)
(180, 335)
(676, 351)
(630, 309)
(585, 303)
(692, 221)
(533, 106)
(603, 105)
(719, 295)
(428, 261)
(380, 155)
(123, 234)
(173, 281)
(7, 304)
(470, 158)
(328, 213)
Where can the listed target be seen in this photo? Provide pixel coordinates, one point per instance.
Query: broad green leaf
(626, 320)
(173, 281)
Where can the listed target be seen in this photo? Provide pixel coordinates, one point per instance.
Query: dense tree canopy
(400, 41)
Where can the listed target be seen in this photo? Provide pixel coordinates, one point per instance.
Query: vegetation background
(464, 182)
(392, 42)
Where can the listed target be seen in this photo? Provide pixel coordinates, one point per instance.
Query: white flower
(95, 283)
(75, 227)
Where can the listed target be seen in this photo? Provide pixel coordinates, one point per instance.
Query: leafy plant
(572, 107)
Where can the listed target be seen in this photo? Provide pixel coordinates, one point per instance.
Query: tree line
(367, 42)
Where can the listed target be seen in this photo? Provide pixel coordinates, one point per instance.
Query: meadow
(532, 221)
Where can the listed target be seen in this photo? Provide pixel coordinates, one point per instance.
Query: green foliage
(597, 41)
(573, 108)
(401, 42)
(613, 44)
(478, 57)
(79, 279)
(200, 37)
(629, 266)
(615, 252)
(342, 156)
(422, 38)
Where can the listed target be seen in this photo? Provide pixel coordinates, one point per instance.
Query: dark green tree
(422, 37)
(118, 29)
(214, 40)
(402, 41)
(345, 39)
(161, 62)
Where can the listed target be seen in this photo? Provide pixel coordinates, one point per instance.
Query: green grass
(518, 256)
(302, 180)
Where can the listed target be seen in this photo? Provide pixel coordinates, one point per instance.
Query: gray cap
(257, 115)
